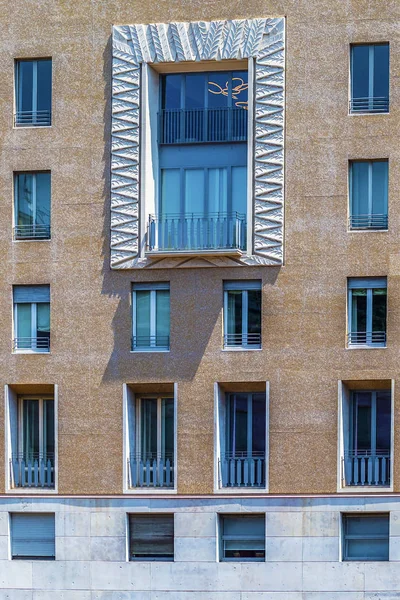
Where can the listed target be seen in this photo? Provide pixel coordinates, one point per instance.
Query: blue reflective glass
(25, 85)
(381, 71)
(360, 71)
(43, 84)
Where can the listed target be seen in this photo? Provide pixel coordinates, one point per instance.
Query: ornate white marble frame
(262, 42)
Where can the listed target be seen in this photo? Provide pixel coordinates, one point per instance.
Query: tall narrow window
(152, 464)
(32, 205)
(242, 538)
(33, 536)
(151, 537)
(34, 464)
(151, 317)
(367, 462)
(32, 318)
(367, 311)
(369, 78)
(243, 461)
(242, 314)
(369, 194)
(33, 92)
(366, 537)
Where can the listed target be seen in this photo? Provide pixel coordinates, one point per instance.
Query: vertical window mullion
(245, 317)
(226, 317)
(369, 315)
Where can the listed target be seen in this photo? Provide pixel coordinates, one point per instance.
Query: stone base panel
(302, 552)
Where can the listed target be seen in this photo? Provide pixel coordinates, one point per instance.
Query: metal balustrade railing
(194, 125)
(36, 344)
(150, 341)
(368, 221)
(33, 470)
(363, 467)
(242, 469)
(151, 470)
(191, 231)
(32, 232)
(242, 340)
(371, 104)
(32, 117)
(367, 338)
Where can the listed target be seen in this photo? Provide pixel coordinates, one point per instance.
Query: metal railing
(30, 117)
(368, 221)
(242, 340)
(194, 125)
(367, 338)
(151, 471)
(363, 467)
(370, 104)
(242, 470)
(37, 344)
(30, 232)
(150, 341)
(32, 471)
(191, 231)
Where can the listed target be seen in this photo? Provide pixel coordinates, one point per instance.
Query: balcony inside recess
(202, 150)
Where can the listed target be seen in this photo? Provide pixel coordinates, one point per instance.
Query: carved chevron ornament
(261, 39)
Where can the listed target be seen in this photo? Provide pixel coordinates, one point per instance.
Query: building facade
(208, 195)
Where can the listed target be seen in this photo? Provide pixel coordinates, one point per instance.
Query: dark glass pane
(383, 420)
(380, 187)
(360, 71)
(195, 90)
(379, 309)
(30, 433)
(359, 188)
(48, 428)
(254, 317)
(25, 85)
(359, 311)
(239, 89)
(24, 199)
(258, 425)
(43, 198)
(149, 428)
(44, 85)
(238, 423)
(171, 91)
(381, 71)
(218, 89)
(362, 421)
(167, 427)
(234, 317)
(368, 549)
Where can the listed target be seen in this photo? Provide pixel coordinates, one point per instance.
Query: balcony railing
(36, 344)
(242, 470)
(368, 222)
(363, 467)
(150, 342)
(369, 105)
(32, 118)
(366, 338)
(191, 231)
(151, 471)
(242, 340)
(195, 125)
(32, 232)
(33, 471)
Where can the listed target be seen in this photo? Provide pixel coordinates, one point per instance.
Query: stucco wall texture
(303, 303)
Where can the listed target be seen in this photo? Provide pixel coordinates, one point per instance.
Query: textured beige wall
(304, 302)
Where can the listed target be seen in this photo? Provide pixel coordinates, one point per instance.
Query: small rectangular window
(368, 194)
(33, 536)
(151, 537)
(242, 314)
(151, 317)
(369, 78)
(366, 537)
(32, 206)
(32, 318)
(33, 92)
(367, 311)
(242, 537)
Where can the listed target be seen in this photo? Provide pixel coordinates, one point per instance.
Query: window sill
(32, 240)
(151, 350)
(367, 230)
(32, 126)
(150, 491)
(360, 113)
(31, 491)
(365, 347)
(240, 349)
(40, 352)
(241, 490)
(358, 489)
(194, 253)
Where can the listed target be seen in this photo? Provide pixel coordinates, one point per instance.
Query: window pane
(24, 199)
(171, 91)
(234, 317)
(367, 526)
(383, 420)
(218, 89)
(242, 526)
(239, 190)
(24, 323)
(143, 318)
(368, 549)
(43, 320)
(194, 192)
(48, 428)
(30, 433)
(381, 71)
(379, 309)
(25, 85)
(258, 425)
(195, 90)
(151, 537)
(359, 310)
(149, 428)
(238, 424)
(218, 190)
(43, 198)
(162, 317)
(362, 421)
(359, 188)
(254, 317)
(360, 71)
(44, 85)
(240, 89)
(170, 192)
(379, 187)
(167, 427)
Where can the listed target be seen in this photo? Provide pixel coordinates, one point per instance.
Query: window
(242, 537)
(33, 466)
(243, 457)
(33, 536)
(152, 465)
(151, 316)
(242, 314)
(369, 194)
(32, 318)
(32, 205)
(33, 92)
(369, 78)
(151, 537)
(367, 311)
(366, 537)
(367, 462)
